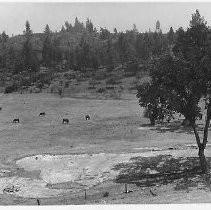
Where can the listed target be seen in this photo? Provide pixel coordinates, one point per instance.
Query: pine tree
(158, 26)
(141, 47)
(63, 29)
(3, 40)
(89, 26)
(68, 26)
(85, 52)
(47, 30)
(158, 45)
(4, 37)
(47, 48)
(78, 26)
(197, 19)
(135, 30)
(171, 36)
(104, 33)
(110, 55)
(27, 32)
(123, 48)
(31, 63)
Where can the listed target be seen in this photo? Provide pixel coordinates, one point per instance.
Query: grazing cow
(16, 120)
(42, 114)
(65, 120)
(87, 117)
(154, 194)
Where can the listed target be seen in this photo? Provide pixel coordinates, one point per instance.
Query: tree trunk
(201, 146)
(152, 120)
(202, 159)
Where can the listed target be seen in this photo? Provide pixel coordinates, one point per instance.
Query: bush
(39, 85)
(101, 90)
(93, 82)
(37, 90)
(34, 89)
(25, 82)
(10, 89)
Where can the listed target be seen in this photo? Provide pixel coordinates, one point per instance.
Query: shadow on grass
(162, 170)
(175, 126)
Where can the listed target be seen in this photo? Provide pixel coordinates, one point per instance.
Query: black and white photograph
(105, 103)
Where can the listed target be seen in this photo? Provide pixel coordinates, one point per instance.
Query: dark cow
(16, 120)
(87, 117)
(65, 120)
(0, 108)
(42, 114)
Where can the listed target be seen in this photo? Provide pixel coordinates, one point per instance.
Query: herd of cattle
(64, 121)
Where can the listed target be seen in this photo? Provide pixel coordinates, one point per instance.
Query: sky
(13, 15)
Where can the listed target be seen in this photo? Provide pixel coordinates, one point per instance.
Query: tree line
(78, 47)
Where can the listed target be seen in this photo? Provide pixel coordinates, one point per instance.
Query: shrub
(25, 82)
(39, 85)
(37, 90)
(101, 90)
(92, 83)
(60, 91)
(10, 89)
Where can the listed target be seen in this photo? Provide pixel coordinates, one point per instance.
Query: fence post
(186, 181)
(85, 194)
(126, 188)
(38, 202)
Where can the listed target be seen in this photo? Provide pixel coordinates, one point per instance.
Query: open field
(61, 160)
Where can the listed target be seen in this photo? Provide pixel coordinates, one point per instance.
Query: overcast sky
(109, 15)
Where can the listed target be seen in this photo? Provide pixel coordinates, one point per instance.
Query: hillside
(102, 85)
(81, 49)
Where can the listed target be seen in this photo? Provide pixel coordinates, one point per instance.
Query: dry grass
(113, 128)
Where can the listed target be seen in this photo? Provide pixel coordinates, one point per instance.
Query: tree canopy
(179, 80)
